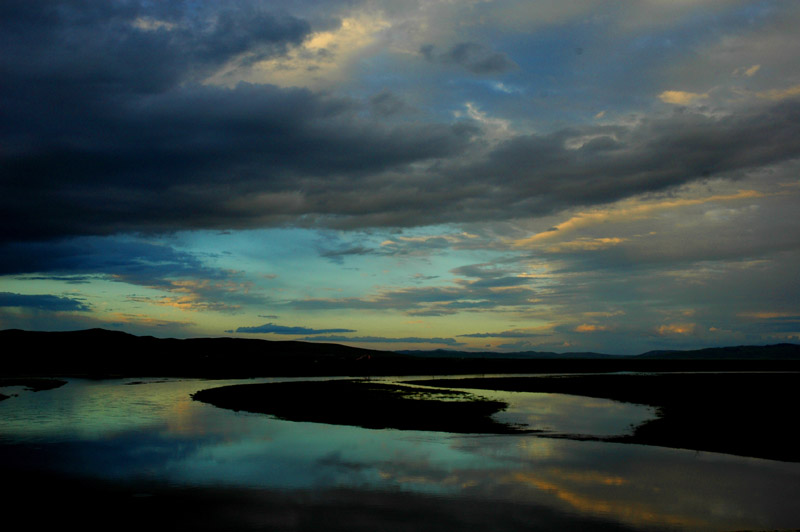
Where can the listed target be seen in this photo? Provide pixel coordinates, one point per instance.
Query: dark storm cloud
(282, 329)
(539, 174)
(594, 165)
(130, 259)
(386, 103)
(107, 129)
(135, 46)
(475, 57)
(42, 302)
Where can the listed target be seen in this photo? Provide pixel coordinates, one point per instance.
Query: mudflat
(364, 404)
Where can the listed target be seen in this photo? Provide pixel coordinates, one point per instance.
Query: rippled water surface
(154, 431)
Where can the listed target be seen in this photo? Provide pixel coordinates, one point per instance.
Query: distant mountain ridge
(783, 351)
(527, 355)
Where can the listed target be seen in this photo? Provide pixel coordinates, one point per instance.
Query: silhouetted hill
(104, 353)
(99, 352)
(741, 352)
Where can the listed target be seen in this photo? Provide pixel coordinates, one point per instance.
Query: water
(153, 432)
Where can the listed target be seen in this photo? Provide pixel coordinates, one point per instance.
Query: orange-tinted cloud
(676, 329)
(680, 97)
(626, 211)
(586, 328)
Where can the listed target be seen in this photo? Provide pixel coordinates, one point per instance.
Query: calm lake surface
(153, 432)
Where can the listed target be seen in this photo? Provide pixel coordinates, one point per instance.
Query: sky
(572, 175)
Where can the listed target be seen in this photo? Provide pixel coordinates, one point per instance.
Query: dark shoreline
(96, 504)
(744, 414)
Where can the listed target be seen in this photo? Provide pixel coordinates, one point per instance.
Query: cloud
(124, 123)
(589, 328)
(586, 244)
(541, 174)
(625, 211)
(677, 329)
(680, 97)
(336, 255)
(133, 141)
(386, 103)
(191, 284)
(123, 256)
(771, 315)
(489, 292)
(425, 243)
(142, 48)
(385, 340)
(271, 328)
(780, 94)
(69, 279)
(503, 334)
(43, 302)
(324, 58)
(474, 57)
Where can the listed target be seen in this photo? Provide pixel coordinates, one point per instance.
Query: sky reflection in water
(155, 431)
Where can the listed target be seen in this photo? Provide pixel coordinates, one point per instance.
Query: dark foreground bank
(363, 404)
(745, 414)
(51, 502)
